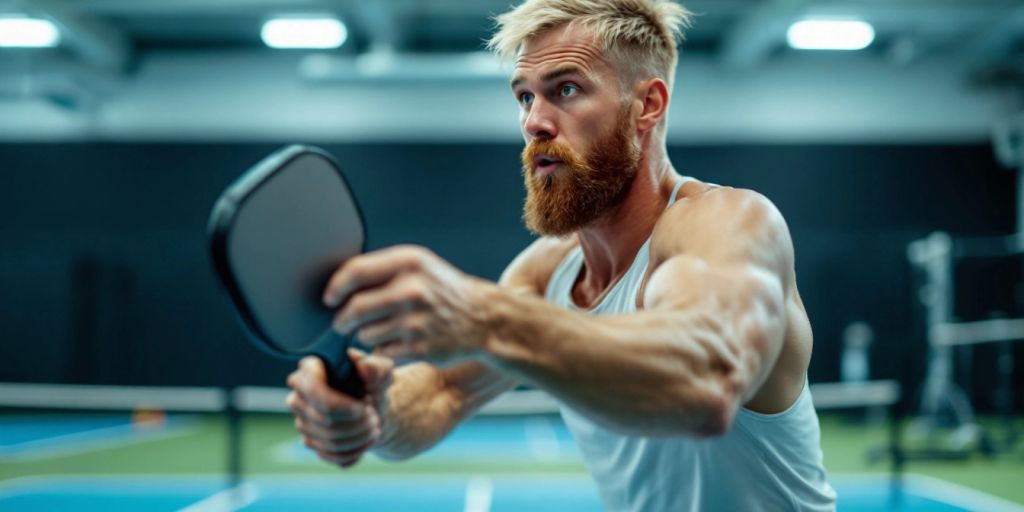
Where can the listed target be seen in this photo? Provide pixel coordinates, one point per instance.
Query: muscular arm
(426, 402)
(709, 333)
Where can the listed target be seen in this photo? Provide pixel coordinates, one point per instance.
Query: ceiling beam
(995, 42)
(757, 32)
(96, 42)
(382, 24)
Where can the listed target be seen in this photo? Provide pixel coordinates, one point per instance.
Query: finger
(402, 294)
(411, 349)
(301, 409)
(356, 355)
(337, 441)
(337, 433)
(377, 371)
(338, 454)
(370, 269)
(311, 384)
(311, 416)
(398, 328)
(326, 416)
(344, 460)
(335, 455)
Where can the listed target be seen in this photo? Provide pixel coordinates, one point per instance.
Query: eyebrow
(559, 72)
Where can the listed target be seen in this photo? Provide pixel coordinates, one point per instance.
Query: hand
(338, 427)
(407, 302)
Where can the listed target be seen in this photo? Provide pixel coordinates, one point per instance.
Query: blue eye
(526, 98)
(569, 90)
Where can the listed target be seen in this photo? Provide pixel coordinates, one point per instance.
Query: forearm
(649, 373)
(426, 403)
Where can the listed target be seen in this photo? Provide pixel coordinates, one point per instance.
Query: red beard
(589, 187)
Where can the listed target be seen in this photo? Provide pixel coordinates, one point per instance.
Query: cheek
(584, 134)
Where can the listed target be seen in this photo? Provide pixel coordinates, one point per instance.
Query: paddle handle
(344, 377)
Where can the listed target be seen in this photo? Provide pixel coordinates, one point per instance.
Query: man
(672, 331)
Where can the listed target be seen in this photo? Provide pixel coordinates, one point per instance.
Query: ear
(652, 97)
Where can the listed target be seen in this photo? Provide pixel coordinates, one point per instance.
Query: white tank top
(764, 462)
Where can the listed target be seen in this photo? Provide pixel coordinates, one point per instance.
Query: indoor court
(148, 323)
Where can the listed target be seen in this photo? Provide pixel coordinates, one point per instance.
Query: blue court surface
(535, 440)
(540, 493)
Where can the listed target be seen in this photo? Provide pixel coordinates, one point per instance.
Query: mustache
(550, 148)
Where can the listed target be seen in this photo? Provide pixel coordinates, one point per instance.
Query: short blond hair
(640, 36)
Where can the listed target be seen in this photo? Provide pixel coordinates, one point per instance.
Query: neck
(610, 244)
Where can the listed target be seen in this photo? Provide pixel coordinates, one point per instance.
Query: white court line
(935, 489)
(478, 494)
(235, 498)
(958, 495)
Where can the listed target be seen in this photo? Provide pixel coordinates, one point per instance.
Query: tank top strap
(675, 190)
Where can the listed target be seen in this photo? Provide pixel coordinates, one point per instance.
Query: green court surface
(846, 443)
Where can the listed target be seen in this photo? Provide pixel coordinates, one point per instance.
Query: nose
(539, 121)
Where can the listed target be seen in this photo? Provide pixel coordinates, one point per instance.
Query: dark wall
(104, 275)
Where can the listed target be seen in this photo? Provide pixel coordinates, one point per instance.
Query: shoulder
(532, 268)
(724, 224)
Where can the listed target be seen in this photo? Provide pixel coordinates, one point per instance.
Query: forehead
(561, 46)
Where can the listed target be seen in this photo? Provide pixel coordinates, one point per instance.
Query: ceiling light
(28, 33)
(830, 35)
(317, 33)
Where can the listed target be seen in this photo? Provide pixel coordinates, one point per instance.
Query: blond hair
(639, 35)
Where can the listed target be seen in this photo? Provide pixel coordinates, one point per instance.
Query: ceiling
(124, 53)
(740, 33)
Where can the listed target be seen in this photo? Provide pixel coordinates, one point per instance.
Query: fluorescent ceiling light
(830, 35)
(28, 33)
(320, 33)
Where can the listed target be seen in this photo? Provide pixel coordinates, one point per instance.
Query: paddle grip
(345, 377)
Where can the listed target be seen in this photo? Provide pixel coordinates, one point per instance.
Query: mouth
(544, 165)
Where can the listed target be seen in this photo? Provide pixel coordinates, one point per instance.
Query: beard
(589, 187)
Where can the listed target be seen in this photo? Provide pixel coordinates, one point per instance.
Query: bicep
(730, 262)
(736, 313)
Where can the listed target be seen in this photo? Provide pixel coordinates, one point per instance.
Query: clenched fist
(338, 427)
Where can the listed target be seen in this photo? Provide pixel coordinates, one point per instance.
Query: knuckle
(419, 252)
(337, 404)
(301, 382)
(415, 325)
(314, 398)
(415, 256)
(419, 349)
(413, 348)
(336, 421)
(311, 417)
(355, 267)
(386, 365)
(358, 306)
(415, 292)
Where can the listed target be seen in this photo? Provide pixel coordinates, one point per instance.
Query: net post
(234, 439)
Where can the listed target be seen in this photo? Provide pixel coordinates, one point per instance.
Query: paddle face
(277, 235)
